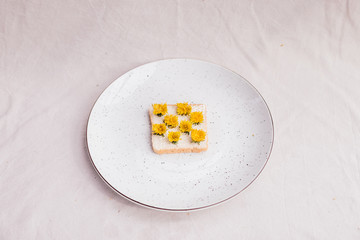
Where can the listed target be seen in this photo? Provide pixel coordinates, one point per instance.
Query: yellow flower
(171, 121)
(183, 108)
(185, 126)
(160, 109)
(198, 135)
(174, 137)
(159, 129)
(196, 117)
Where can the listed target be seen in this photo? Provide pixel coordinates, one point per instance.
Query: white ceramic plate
(240, 131)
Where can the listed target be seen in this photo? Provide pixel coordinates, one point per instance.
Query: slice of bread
(161, 144)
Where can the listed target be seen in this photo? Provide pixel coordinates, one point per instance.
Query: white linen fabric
(56, 57)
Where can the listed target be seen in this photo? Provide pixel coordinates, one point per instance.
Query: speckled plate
(240, 131)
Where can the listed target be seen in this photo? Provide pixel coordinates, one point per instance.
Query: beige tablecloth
(56, 57)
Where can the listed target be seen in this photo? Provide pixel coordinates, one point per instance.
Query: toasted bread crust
(179, 150)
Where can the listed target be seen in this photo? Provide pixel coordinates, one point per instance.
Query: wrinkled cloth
(56, 57)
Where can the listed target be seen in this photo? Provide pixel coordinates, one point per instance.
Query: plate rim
(178, 209)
